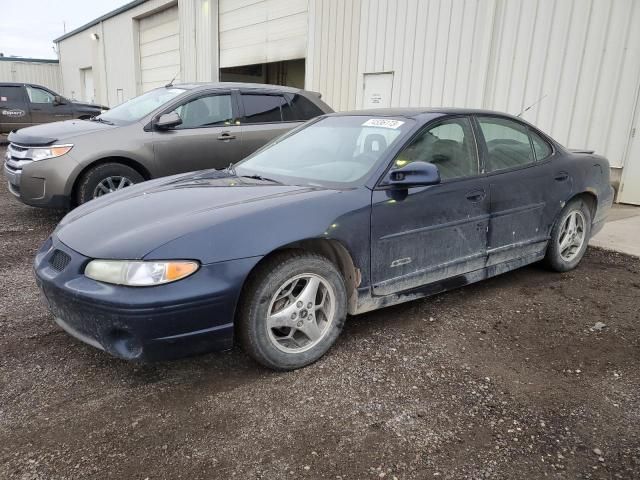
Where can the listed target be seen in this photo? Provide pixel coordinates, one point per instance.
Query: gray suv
(169, 130)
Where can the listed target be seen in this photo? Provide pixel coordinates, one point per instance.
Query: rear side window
(263, 108)
(507, 143)
(10, 95)
(300, 109)
(541, 147)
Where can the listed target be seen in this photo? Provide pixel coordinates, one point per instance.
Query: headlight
(43, 153)
(139, 273)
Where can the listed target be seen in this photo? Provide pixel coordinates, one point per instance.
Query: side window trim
(242, 117)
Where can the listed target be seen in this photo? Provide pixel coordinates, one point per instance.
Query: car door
(266, 115)
(43, 107)
(524, 187)
(207, 138)
(14, 109)
(427, 234)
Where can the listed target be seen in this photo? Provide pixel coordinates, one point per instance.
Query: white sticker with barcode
(383, 123)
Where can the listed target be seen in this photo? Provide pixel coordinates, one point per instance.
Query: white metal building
(576, 61)
(31, 70)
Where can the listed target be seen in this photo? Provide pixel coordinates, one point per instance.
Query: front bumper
(43, 183)
(179, 319)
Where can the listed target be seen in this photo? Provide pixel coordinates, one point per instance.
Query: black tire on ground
(553, 259)
(265, 282)
(92, 178)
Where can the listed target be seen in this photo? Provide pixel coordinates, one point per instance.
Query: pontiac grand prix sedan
(348, 213)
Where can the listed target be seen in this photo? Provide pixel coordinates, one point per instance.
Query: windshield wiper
(101, 120)
(260, 177)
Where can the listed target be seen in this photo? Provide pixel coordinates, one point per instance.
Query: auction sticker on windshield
(383, 123)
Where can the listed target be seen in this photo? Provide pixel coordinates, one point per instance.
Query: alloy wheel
(572, 235)
(111, 184)
(300, 313)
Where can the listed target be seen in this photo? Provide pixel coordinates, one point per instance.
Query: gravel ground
(507, 378)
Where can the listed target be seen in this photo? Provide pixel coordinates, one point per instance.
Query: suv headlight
(140, 273)
(43, 153)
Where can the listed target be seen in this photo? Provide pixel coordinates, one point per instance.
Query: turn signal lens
(59, 151)
(139, 273)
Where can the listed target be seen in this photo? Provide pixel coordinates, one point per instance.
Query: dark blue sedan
(349, 213)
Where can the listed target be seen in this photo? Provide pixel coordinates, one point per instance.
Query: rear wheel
(106, 178)
(569, 237)
(292, 310)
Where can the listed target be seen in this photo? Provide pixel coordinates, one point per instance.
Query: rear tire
(104, 178)
(292, 310)
(569, 237)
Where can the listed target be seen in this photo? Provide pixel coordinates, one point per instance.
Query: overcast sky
(28, 27)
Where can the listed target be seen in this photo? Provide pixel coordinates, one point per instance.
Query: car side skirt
(368, 302)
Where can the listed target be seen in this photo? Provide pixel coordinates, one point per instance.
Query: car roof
(420, 111)
(261, 86)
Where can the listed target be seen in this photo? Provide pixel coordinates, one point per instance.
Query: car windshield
(139, 107)
(338, 151)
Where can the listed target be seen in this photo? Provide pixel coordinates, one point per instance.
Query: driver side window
(38, 95)
(449, 145)
(209, 111)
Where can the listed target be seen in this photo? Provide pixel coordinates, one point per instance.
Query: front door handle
(476, 196)
(226, 136)
(561, 177)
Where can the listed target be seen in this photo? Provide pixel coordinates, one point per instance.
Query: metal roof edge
(113, 13)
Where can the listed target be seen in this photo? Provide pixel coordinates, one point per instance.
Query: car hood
(56, 132)
(134, 222)
(91, 106)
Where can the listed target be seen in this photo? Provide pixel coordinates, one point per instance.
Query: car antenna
(170, 84)
(532, 105)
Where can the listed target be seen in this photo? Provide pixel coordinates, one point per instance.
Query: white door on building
(88, 91)
(159, 49)
(630, 186)
(377, 90)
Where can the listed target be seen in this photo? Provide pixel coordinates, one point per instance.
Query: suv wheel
(106, 178)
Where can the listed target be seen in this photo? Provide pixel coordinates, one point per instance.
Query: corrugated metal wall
(582, 56)
(46, 74)
(261, 31)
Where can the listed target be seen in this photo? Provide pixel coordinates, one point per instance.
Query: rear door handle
(476, 196)
(226, 136)
(562, 177)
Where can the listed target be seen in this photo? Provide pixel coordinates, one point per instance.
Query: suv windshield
(336, 151)
(138, 107)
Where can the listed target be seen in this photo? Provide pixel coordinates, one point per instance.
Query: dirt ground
(502, 379)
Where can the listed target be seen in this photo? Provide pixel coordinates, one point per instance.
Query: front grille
(59, 260)
(17, 153)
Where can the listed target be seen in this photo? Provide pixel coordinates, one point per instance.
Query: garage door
(262, 31)
(159, 49)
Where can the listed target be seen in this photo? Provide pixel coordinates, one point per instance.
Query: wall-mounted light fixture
(94, 36)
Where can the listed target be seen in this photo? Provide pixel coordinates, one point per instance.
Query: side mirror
(414, 174)
(58, 100)
(168, 121)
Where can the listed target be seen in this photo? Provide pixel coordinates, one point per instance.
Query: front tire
(292, 310)
(569, 237)
(106, 178)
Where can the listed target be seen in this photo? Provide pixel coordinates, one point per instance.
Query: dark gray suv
(169, 130)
